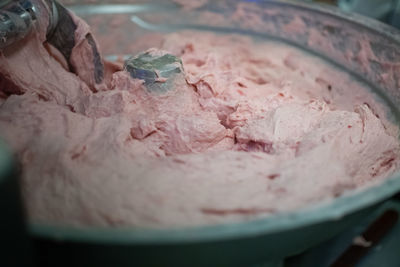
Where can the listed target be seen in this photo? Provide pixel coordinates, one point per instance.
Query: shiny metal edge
(323, 212)
(5, 161)
(120, 9)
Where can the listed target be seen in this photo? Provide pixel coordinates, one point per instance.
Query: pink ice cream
(254, 128)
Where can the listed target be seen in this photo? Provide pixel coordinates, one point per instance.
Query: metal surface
(61, 34)
(5, 162)
(158, 71)
(274, 237)
(15, 245)
(337, 251)
(61, 30)
(16, 19)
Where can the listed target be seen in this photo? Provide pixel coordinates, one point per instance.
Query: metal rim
(332, 211)
(327, 211)
(5, 161)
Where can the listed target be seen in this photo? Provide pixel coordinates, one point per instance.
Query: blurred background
(387, 11)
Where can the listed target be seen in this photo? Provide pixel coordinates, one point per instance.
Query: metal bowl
(12, 225)
(367, 49)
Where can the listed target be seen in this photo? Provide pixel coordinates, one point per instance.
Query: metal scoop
(17, 18)
(159, 71)
(61, 35)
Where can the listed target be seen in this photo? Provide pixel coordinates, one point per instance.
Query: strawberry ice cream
(252, 128)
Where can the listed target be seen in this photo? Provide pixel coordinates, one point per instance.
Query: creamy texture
(255, 128)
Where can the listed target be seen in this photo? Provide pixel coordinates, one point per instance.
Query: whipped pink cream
(255, 128)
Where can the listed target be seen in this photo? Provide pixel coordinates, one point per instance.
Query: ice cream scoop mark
(188, 48)
(326, 100)
(259, 81)
(8, 87)
(110, 219)
(241, 85)
(295, 146)
(387, 163)
(140, 135)
(178, 161)
(43, 98)
(79, 153)
(238, 211)
(261, 62)
(322, 82)
(196, 62)
(71, 108)
(258, 146)
(273, 176)
(235, 141)
(290, 64)
(340, 188)
(240, 92)
(372, 110)
(384, 166)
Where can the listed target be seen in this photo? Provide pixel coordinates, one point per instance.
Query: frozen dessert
(251, 128)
